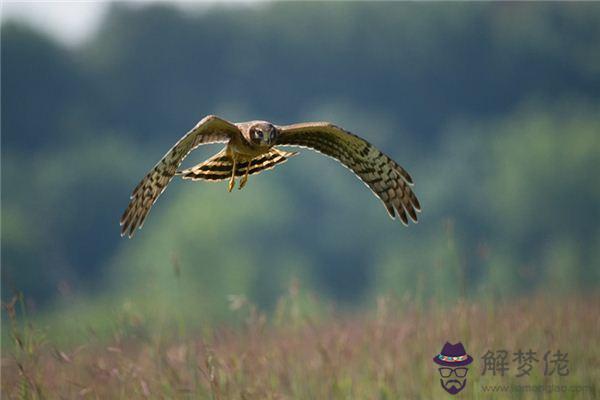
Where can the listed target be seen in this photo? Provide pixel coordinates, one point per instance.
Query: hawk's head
(263, 134)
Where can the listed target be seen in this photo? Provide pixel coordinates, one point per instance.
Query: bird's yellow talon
(232, 180)
(243, 182)
(245, 177)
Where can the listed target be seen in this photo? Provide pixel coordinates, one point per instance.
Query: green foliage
(493, 108)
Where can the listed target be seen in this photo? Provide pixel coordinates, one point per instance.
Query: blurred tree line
(493, 108)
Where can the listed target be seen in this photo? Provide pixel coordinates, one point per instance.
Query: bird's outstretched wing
(388, 181)
(210, 129)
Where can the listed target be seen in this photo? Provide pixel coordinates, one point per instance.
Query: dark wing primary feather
(210, 129)
(388, 181)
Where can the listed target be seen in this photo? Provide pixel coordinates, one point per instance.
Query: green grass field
(383, 353)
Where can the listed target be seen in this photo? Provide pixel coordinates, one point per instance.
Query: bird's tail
(219, 166)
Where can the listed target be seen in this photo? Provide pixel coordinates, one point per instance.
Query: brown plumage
(250, 150)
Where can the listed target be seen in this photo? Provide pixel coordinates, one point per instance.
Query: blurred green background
(493, 108)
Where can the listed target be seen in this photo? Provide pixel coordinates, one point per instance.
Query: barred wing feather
(388, 180)
(210, 129)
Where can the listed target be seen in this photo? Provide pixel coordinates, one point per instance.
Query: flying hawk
(251, 149)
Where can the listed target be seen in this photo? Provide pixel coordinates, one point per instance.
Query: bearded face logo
(453, 361)
(453, 380)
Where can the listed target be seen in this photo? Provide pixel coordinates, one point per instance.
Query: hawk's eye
(272, 135)
(256, 134)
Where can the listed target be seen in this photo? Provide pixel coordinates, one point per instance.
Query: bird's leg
(245, 177)
(277, 151)
(232, 179)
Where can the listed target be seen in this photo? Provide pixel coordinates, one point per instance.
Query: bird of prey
(252, 148)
